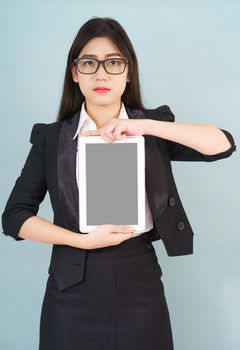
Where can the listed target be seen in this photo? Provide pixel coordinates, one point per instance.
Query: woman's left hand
(118, 129)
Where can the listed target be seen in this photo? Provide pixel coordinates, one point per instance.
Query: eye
(115, 62)
(87, 62)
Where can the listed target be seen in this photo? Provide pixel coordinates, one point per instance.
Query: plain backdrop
(189, 56)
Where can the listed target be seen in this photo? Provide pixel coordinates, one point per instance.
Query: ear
(74, 74)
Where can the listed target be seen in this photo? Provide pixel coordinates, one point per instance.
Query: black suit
(51, 165)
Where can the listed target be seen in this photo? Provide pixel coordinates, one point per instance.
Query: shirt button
(171, 201)
(180, 225)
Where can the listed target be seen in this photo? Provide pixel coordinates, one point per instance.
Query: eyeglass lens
(112, 66)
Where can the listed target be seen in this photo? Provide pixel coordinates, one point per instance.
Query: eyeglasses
(91, 65)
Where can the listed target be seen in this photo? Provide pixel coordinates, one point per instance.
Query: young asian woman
(104, 289)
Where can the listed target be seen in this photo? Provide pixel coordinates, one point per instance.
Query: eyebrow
(108, 55)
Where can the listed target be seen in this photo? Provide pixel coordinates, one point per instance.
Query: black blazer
(51, 166)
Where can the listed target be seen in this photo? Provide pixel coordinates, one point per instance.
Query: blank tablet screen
(113, 187)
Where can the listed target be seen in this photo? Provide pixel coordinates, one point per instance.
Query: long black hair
(72, 97)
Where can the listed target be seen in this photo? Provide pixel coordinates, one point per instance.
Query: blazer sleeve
(30, 187)
(179, 152)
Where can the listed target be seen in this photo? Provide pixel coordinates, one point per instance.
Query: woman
(104, 289)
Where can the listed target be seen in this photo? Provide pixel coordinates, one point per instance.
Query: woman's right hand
(107, 235)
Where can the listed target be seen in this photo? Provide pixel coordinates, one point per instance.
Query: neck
(101, 115)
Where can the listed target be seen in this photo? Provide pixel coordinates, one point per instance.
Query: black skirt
(120, 304)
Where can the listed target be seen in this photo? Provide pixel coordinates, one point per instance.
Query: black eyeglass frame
(75, 63)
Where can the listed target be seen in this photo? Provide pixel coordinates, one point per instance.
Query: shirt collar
(88, 124)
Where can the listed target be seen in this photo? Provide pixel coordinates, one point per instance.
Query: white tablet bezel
(82, 142)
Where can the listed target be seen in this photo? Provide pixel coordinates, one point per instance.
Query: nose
(101, 73)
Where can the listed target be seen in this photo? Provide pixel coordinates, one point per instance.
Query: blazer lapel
(66, 173)
(155, 172)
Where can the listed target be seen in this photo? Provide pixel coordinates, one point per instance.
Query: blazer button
(180, 225)
(171, 201)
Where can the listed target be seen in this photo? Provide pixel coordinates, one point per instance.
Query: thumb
(124, 236)
(122, 229)
(90, 133)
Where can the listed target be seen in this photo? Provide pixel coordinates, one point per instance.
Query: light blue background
(189, 56)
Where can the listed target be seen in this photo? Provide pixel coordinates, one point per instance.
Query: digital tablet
(111, 178)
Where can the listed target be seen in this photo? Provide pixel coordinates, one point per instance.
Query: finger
(118, 136)
(113, 137)
(118, 133)
(109, 134)
(123, 236)
(106, 136)
(121, 137)
(109, 129)
(122, 228)
(90, 133)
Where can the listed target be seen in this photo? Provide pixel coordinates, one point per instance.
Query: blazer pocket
(68, 269)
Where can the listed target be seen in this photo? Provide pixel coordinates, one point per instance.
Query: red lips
(101, 89)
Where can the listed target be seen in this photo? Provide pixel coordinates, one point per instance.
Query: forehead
(100, 47)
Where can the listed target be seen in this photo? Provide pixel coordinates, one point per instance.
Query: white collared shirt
(86, 123)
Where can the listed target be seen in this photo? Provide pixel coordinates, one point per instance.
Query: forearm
(38, 229)
(205, 138)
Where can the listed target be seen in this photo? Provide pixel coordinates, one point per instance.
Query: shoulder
(42, 130)
(44, 137)
(162, 113)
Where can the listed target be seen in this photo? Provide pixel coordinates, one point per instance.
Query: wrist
(147, 126)
(77, 240)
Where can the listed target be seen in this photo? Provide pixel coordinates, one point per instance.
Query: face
(100, 48)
